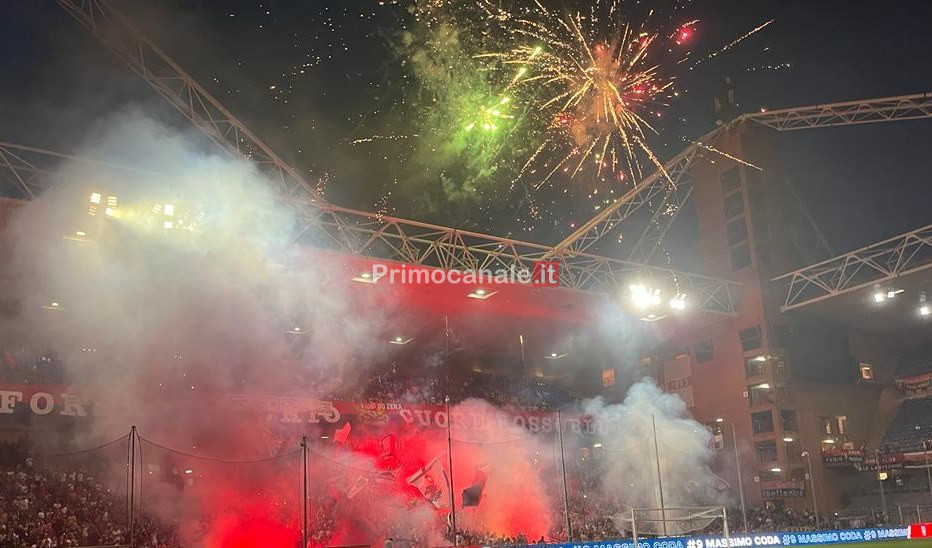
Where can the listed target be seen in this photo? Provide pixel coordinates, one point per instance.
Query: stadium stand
(915, 360)
(913, 419)
(912, 424)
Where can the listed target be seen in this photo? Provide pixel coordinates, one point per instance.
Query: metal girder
(875, 264)
(19, 170)
(413, 242)
(664, 215)
(185, 94)
(867, 111)
(886, 109)
(389, 238)
(644, 192)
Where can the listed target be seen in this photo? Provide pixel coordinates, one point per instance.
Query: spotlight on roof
(95, 197)
(788, 439)
(719, 419)
(400, 340)
(365, 278)
(763, 386)
(760, 358)
(481, 294)
(296, 330)
(555, 356)
(169, 210)
(651, 317)
(54, 305)
(828, 440)
(925, 307)
(885, 294)
(776, 469)
(643, 296)
(678, 302)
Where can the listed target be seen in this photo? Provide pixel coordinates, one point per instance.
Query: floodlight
(678, 302)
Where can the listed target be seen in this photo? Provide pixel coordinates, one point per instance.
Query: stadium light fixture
(54, 305)
(776, 469)
(481, 294)
(925, 308)
(555, 356)
(652, 317)
(169, 210)
(828, 440)
(400, 340)
(678, 302)
(168, 225)
(95, 197)
(885, 294)
(365, 278)
(643, 296)
(596, 445)
(719, 419)
(296, 331)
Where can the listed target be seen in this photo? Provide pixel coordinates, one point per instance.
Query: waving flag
(472, 495)
(341, 435)
(431, 481)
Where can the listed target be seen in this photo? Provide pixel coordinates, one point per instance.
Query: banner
(41, 399)
(759, 539)
(915, 384)
(837, 456)
(892, 461)
(781, 489)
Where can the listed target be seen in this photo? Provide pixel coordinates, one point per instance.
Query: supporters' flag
(8, 360)
(721, 483)
(358, 485)
(341, 435)
(387, 447)
(338, 485)
(385, 476)
(431, 481)
(472, 495)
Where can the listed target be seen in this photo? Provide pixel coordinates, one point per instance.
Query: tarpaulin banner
(41, 399)
(759, 539)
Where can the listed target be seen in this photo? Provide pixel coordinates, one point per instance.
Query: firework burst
(597, 80)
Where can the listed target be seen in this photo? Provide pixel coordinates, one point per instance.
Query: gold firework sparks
(596, 79)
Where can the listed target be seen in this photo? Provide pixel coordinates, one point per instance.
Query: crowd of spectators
(23, 366)
(42, 508)
(502, 390)
(45, 508)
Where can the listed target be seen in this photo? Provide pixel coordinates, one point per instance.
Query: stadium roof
(878, 287)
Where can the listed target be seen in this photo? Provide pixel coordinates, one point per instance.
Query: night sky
(312, 77)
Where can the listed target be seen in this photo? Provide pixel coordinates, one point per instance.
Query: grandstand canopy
(859, 310)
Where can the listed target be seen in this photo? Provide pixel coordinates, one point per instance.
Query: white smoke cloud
(627, 432)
